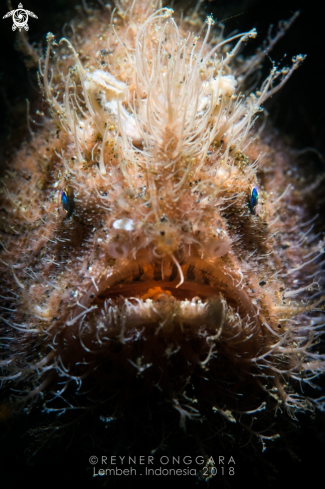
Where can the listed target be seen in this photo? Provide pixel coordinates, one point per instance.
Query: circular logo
(20, 18)
(93, 460)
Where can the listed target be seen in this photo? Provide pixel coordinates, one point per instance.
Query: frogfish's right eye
(66, 202)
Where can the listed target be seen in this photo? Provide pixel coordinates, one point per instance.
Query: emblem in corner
(20, 18)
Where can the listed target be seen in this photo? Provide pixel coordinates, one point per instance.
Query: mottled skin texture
(135, 272)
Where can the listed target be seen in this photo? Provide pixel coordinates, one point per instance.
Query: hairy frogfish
(159, 266)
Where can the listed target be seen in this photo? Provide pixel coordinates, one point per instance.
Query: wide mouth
(148, 283)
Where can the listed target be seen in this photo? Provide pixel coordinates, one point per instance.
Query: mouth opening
(160, 290)
(159, 281)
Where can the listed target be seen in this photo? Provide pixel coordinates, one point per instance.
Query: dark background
(298, 114)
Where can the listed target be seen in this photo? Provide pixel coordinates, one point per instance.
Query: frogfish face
(155, 255)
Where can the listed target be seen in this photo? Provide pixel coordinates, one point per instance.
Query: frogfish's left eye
(253, 201)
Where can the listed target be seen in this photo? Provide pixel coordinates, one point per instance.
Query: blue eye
(253, 201)
(65, 201)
